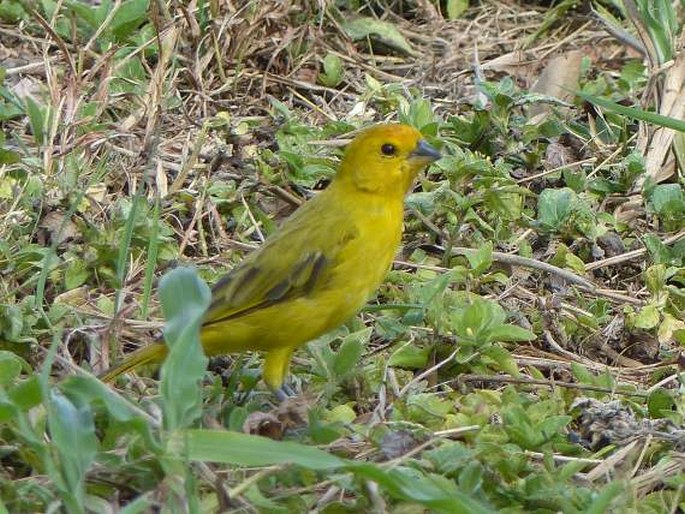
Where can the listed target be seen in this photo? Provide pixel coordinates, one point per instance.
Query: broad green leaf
(129, 17)
(554, 207)
(250, 450)
(185, 298)
(8, 410)
(658, 251)
(602, 502)
(418, 113)
(12, 12)
(239, 449)
(8, 156)
(76, 274)
(11, 322)
(27, 393)
(385, 32)
(554, 424)
(669, 327)
(10, 367)
(667, 200)
(471, 476)
(434, 491)
(502, 357)
(648, 317)
(480, 259)
(655, 278)
(426, 407)
(90, 390)
(36, 120)
(341, 414)
(582, 374)
(660, 403)
(456, 8)
(333, 70)
(72, 431)
(410, 356)
(572, 261)
(350, 352)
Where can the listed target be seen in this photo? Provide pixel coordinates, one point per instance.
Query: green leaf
(638, 114)
(481, 259)
(90, 390)
(648, 317)
(385, 32)
(505, 362)
(667, 200)
(508, 332)
(455, 8)
(602, 502)
(426, 407)
(72, 432)
(410, 356)
(419, 113)
(554, 207)
(185, 298)
(12, 12)
(36, 121)
(658, 251)
(8, 410)
(11, 322)
(240, 449)
(129, 17)
(27, 393)
(75, 274)
(655, 278)
(554, 424)
(250, 450)
(333, 70)
(8, 156)
(10, 367)
(582, 374)
(660, 403)
(572, 261)
(434, 491)
(350, 352)
(670, 327)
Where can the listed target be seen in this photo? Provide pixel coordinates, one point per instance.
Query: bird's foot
(284, 392)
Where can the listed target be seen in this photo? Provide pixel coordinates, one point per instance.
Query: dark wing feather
(290, 265)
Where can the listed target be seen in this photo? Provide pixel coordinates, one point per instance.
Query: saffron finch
(323, 263)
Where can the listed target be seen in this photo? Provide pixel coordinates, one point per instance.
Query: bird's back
(343, 244)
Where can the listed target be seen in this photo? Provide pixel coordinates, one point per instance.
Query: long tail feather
(146, 355)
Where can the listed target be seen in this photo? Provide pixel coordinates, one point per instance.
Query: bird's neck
(370, 191)
(369, 204)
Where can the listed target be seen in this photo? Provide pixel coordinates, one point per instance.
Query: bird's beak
(424, 153)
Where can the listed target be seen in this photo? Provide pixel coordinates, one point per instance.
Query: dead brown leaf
(559, 79)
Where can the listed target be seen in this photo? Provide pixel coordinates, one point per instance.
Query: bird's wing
(299, 259)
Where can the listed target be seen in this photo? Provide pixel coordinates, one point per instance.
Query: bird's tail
(146, 355)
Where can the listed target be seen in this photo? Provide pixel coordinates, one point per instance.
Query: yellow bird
(323, 263)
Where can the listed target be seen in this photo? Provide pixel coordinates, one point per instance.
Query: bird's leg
(276, 366)
(281, 395)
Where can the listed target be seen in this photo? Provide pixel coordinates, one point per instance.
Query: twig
(618, 259)
(517, 260)
(564, 458)
(570, 165)
(611, 462)
(506, 379)
(427, 372)
(569, 276)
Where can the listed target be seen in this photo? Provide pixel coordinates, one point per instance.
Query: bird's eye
(388, 149)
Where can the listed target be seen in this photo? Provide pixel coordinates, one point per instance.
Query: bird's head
(385, 159)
